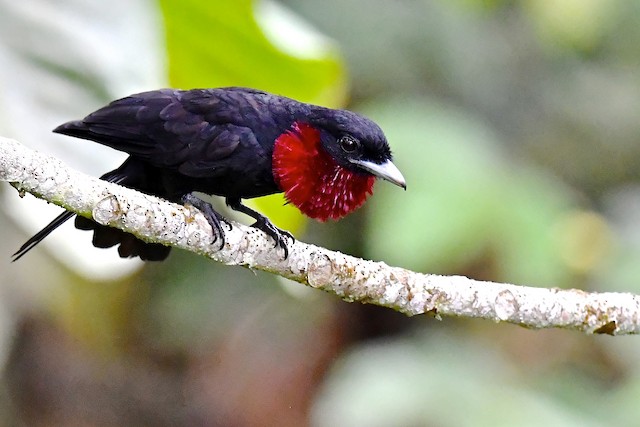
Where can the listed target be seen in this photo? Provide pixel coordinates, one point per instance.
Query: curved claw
(217, 233)
(278, 235)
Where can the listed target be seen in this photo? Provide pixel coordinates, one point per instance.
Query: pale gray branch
(350, 278)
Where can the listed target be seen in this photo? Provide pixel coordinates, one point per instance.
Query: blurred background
(516, 127)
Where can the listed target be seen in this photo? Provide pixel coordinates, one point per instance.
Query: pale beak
(386, 170)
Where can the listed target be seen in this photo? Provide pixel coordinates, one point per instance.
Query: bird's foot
(278, 235)
(214, 219)
(262, 223)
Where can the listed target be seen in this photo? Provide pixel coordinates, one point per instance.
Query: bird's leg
(213, 218)
(263, 223)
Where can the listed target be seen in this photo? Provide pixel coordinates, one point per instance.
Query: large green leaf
(221, 43)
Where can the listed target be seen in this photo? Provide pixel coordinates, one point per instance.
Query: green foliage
(577, 24)
(216, 43)
(467, 200)
(487, 389)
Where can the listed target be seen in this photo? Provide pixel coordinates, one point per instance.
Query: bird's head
(327, 163)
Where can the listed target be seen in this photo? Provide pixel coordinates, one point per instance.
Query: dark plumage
(221, 142)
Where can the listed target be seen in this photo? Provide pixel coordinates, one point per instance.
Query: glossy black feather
(193, 133)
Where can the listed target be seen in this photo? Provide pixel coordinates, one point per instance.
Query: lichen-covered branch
(352, 279)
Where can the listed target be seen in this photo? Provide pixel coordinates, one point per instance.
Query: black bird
(237, 143)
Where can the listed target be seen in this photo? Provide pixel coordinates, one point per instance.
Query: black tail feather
(38, 237)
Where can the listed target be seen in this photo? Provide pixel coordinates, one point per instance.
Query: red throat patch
(312, 180)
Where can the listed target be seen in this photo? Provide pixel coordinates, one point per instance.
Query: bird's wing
(191, 131)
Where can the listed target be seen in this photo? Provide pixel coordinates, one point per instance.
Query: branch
(352, 279)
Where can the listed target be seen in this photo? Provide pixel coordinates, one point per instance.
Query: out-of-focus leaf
(578, 24)
(216, 43)
(466, 200)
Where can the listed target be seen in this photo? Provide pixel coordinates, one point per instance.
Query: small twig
(352, 279)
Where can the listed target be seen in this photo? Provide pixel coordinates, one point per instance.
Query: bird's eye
(349, 144)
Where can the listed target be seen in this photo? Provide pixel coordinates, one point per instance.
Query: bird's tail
(103, 236)
(40, 235)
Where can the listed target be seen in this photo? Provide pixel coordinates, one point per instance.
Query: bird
(237, 143)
